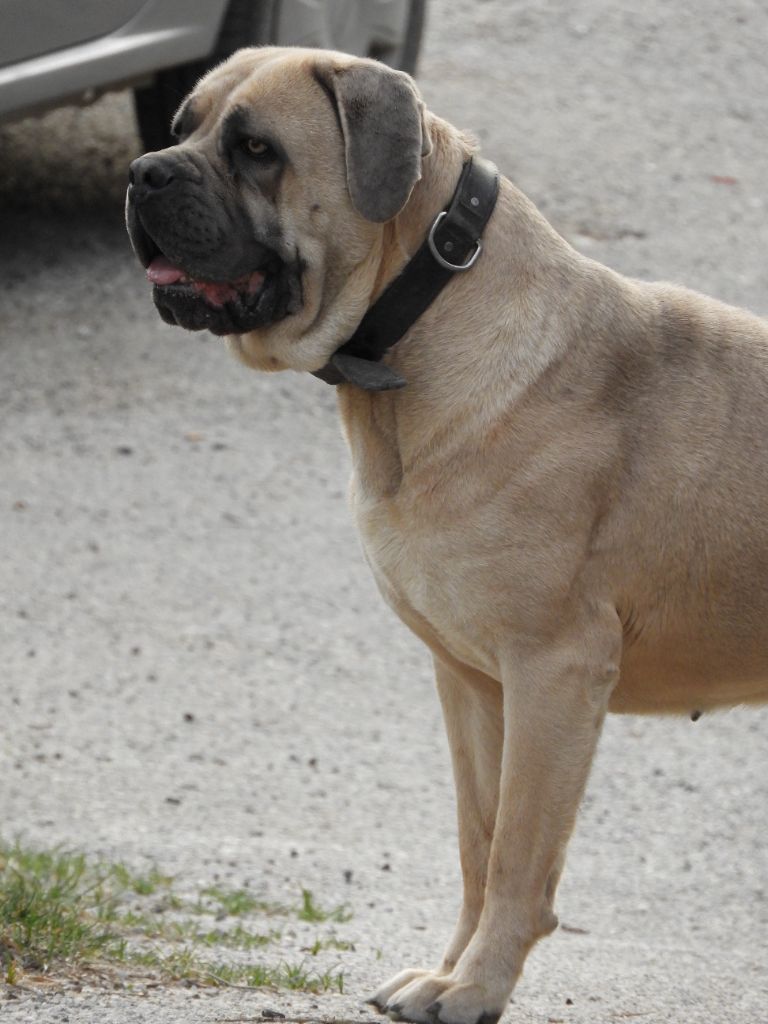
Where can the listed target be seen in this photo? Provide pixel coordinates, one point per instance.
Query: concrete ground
(197, 670)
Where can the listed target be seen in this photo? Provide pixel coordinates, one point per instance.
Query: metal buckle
(441, 259)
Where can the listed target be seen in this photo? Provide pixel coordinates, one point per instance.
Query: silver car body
(58, 51)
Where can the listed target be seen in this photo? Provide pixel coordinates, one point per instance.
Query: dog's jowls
(567, 503)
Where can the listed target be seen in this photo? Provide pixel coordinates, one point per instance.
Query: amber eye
(257, 147)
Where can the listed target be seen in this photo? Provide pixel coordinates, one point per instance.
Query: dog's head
(264, 223)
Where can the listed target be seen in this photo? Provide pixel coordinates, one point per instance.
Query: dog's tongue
(161, 271)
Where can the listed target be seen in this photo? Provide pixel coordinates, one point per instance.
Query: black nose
(151, 171)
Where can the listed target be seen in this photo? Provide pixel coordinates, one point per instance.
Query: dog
(560, 475)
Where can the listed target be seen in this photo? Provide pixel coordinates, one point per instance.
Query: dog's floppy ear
(381, 118)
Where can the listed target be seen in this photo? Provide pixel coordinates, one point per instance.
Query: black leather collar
(452, 246)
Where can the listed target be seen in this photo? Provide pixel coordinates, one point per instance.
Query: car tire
(246, 23)
(406, 57)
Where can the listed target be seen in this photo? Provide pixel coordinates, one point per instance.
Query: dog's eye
(258, 148)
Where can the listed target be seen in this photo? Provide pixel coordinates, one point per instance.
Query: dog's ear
(382, 120)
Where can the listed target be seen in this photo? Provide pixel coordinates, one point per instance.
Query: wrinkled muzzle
(208, 270)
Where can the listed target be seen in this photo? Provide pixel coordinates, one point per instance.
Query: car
(55, 52)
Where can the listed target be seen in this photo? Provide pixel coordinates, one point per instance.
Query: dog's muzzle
(208, 272)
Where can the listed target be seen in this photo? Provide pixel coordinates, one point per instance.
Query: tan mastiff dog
(567, 502)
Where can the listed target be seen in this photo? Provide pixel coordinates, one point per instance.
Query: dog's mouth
(224, 307)
(191, 297)
(164, 274)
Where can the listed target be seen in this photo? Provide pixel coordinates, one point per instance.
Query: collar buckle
(448, 246)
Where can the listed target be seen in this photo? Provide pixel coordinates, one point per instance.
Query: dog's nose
(151, 171)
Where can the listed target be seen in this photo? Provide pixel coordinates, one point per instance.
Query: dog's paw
(429, 998)
(382, 996)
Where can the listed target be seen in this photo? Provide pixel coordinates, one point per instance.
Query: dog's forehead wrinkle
(238, 119)
(230, 130)
(275, 88)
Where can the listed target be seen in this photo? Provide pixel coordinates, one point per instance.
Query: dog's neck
(460, 377)
(452, 246)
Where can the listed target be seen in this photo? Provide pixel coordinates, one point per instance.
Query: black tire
(407, 57)
(417, 17)
(246, 23)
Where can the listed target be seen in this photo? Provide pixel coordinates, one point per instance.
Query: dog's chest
(431, 574)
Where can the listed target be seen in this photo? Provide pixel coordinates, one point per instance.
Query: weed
(57, 910)
(234, 903)
(309, 911)
(289, 976)
(11, 972)
(237, 938)
(142, 885)
(331, 943)
(49, 907)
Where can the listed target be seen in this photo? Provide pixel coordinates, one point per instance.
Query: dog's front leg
(555, 696)
(474, 720)
(473, 712)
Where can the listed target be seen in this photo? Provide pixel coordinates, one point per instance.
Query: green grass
(59, 910)
(143, 885)
(331, 943)
(53, 907)
(234, 903)
(309, 911)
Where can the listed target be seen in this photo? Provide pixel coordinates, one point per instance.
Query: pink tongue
(162, 271)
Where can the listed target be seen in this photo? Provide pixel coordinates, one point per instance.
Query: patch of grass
(234, 903)
(11, 973)
(289, 976)
(53, 907)
(238, 902)
(142, 885)
(310, 911)
(186, 964)
(237, 938)
(59, 910)
(319, 945)
(154, 926)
